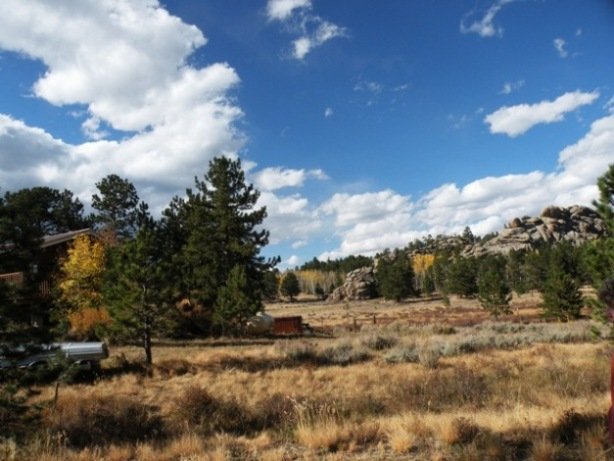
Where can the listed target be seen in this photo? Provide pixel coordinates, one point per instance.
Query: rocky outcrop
(576, 224)
(359, 284)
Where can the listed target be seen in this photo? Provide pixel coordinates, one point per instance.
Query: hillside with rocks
(575, 224)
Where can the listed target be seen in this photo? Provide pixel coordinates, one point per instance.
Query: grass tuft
(98, 420)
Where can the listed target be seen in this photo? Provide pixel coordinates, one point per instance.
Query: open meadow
(421, 382)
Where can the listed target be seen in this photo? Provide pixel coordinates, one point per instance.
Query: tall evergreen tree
(562, 296)
(561, 291)
(534, 268)
(136, 290)
(493, 291)
(271, 284)
(440, 272)
(395, 275)
(223, 231)
(462, 277)
(598, 255)
(605, 204)
(116, 206)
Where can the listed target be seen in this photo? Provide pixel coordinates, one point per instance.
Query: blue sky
(364, 124)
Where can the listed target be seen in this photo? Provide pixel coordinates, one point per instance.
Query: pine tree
(395, 275)
(235, 305)
(116, 206)
(598, 255)
(135, 288)
(440, 272)
(562, 296)
(561, 291)
(534, 268)
(462, 277)
(290, 286)
(493, 291)
(223, 231)
(467, 236)
(605, 204)
(271, 284)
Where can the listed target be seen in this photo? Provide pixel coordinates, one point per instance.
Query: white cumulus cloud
(516, 120)
(274, 178)
(290, 218)
(126, 63)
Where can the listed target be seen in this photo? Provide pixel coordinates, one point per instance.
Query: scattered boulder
(555, 212)
(515, 223)
(359, 284)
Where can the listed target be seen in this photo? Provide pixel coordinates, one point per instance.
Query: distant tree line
(341, 265)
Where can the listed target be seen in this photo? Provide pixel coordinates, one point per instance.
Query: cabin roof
(56, 239)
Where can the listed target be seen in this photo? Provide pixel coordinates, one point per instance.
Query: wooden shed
(288, 325)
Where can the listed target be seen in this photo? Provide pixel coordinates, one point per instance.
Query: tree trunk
(146, 331)
(147, 345)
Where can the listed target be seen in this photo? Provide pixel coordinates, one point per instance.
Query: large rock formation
(576, 224)
(359, 284)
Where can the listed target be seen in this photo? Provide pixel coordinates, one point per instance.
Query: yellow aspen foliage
(422, 262)
(309, 279)
(83, 322)
(422, 265)
(82, 271)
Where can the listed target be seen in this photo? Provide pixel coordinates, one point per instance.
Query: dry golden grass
(545, 450)
(339, 398)
(461, 311)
